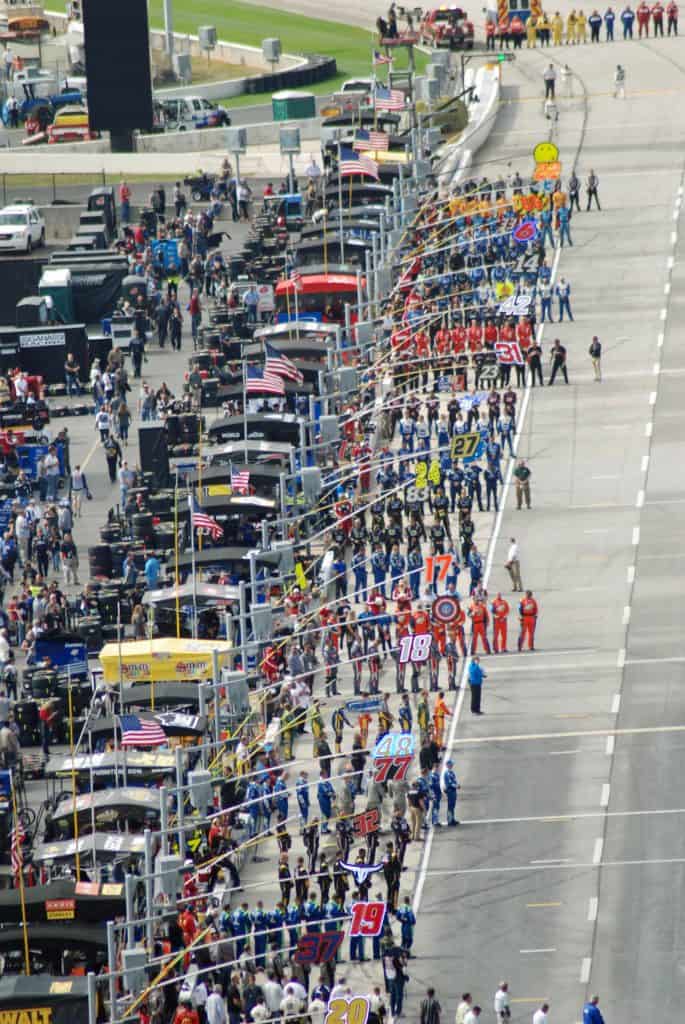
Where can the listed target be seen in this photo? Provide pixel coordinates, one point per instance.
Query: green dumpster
(57, 283)
(289, 105)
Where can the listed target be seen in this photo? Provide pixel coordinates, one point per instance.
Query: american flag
(352, 163)
(259, 382)
(17, 847)
(201, 520)
(279, 364)
(370, 140)
(240, 480)
(138, 732)
(378, 58)
(388, 99)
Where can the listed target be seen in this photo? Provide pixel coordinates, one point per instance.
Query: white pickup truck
(32, 83)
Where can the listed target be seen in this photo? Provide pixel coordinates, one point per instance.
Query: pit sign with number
(347, 1011)
(393, 754)
(464, 445)
(367, 920)
(415, 648)
(509, 353)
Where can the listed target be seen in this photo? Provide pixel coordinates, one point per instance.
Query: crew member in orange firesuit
(500, 612)
(478, 613)
(440, 711)
(528, 614)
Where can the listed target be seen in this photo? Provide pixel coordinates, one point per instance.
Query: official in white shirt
(463, 1008)
(513, 565)
(540, 1016)
(502, 1008)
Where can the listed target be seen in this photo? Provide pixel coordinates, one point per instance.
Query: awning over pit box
(162, 659)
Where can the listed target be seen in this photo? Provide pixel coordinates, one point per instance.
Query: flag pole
(287, 289)
(340, 206)
(70, 704)
(20, 859)
(192, 563)
(245, 393)
(297, 315)
(199, 472)
(176, 575)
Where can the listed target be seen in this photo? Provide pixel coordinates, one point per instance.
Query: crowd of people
(578, 28)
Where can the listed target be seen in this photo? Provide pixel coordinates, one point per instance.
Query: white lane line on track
(648, 429)
(660, 340)
(616, 704)
(636, 535)
(626, 615)
(611, 746)
(652, 398)
(572, 866)
(547, 949)
(621, 658)
(593, 907)
(605, 795)
(456, 714)
(644, 465)
(630, 574)
(561, 819)
(585, 968)
(640, 499)
(598, 850)
(656, 369)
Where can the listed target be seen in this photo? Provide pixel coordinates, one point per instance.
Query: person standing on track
(558, 356)
(620, 82)
(476, 677)
(522, 475)
(513, 565)
(643, 14)
(609, 19)
(592, 1013)
(549, 76)
(627, 20)
(658, 18)
(501, 1003)
(672, 16)
(478, 613)
(500, 614)
(595, 23)
(528, 614)
(595, 353)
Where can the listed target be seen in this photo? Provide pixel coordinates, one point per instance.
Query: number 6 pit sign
(393, 753)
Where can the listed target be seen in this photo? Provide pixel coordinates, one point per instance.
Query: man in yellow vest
(557, 29)
(581, 28)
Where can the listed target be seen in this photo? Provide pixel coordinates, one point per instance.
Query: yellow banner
(162, 660)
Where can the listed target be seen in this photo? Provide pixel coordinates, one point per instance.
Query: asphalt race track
(565, 876)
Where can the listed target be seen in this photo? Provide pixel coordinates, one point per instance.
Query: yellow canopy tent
(162, 660)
